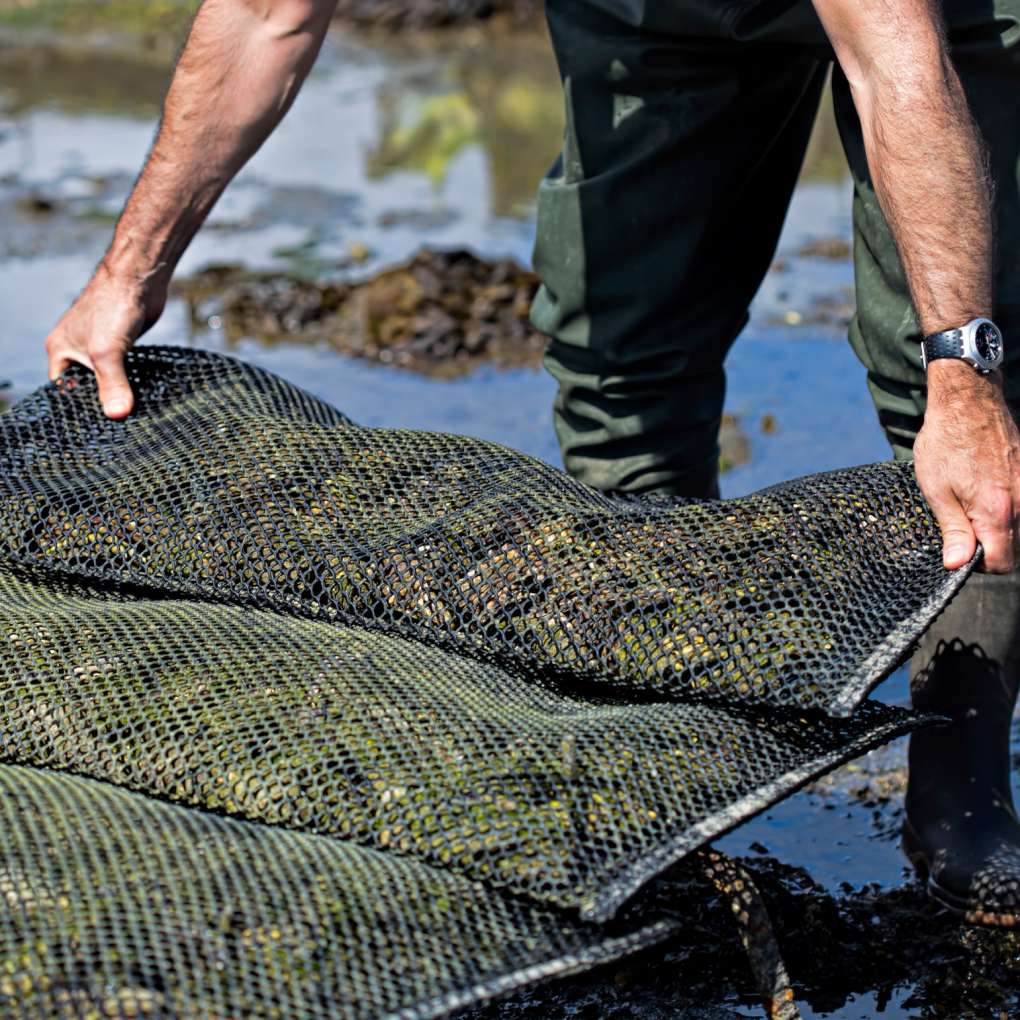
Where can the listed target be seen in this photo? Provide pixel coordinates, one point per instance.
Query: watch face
(988, 341)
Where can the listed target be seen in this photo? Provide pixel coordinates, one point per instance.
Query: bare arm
(927, 161)
(241, 68)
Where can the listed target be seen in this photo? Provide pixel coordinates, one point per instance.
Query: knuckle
(955, 530)
(104, 349)
(998, 508)
(939, 496)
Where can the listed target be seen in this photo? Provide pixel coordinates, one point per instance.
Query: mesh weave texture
(232, 485)
(367, 723)
(118, 906)
(346, 732)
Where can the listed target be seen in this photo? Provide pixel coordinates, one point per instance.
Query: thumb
(958, 540)
(114, 389)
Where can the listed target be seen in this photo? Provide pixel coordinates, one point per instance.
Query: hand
(967, 457)
(111, 313)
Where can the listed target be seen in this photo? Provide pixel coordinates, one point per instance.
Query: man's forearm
(927, 161)
(925, 155)
(241, 68)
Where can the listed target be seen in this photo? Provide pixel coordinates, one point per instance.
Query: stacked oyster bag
(303, 719)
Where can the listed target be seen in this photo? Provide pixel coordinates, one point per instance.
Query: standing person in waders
(687, 122)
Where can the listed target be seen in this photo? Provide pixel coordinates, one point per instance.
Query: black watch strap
(943, 345)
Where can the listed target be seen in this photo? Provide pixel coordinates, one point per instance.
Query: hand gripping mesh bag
(303, 719)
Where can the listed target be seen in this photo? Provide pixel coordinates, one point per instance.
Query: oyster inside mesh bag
(571, 800)
(232, 485)
(116, 905)
(459, 708)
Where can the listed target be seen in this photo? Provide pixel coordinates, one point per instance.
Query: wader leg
(962, 830)
(655, 230)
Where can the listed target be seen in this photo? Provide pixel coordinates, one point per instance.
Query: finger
(59, 364)
(994, 530)
(61, 357)
(959, 542)
(114, 389)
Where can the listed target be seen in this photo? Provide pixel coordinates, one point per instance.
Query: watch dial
(989, 342)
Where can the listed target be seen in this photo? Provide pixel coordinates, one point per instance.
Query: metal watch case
(979, 343)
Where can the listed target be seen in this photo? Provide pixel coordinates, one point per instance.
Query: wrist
(133, 273)
(951, 380)
(952, 316)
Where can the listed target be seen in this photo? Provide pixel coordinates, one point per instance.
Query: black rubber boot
(962, 832)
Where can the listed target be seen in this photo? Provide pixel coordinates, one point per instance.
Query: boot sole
(957, 905)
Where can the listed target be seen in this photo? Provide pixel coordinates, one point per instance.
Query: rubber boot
(962, 832)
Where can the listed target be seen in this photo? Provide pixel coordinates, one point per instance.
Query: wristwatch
(979, 343)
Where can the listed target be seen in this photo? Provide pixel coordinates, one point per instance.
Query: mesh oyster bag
(117, 905)
(302, 719)
(233, 486)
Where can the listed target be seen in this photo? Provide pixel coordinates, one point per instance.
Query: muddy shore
(836, 948)
(842, 947)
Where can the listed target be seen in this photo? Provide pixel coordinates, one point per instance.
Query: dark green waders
(687, 123)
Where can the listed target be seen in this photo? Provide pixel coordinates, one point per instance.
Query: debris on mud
(877, 783)
(734, 444)
(440, 314)
(836, 249)
(35, 204)
(835, 309)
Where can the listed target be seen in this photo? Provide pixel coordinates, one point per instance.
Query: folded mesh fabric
(229, 484)
(447, 696)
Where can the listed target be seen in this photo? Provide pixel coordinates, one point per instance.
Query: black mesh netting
(370, 723)
(232, 485)
(116, 905)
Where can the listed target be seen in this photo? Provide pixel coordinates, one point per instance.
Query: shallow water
(437, 144)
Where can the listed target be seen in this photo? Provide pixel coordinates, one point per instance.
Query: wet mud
(894, 946)
(442, 314)
(500, 94)
(50, 222)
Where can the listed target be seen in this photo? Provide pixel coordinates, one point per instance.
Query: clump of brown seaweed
(441, 313)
